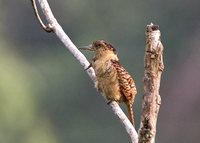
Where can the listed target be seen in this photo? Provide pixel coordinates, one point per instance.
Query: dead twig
(153, 63)
(47, 28)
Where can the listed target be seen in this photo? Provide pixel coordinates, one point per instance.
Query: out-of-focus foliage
(46, 96)
(20, 120)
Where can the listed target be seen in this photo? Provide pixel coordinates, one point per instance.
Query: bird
(112, 79)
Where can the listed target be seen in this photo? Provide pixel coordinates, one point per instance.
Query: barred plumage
(127, 88)
(113, 81)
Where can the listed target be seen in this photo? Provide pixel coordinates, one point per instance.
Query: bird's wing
(126, 82)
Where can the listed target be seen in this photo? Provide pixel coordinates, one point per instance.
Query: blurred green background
(46, 96)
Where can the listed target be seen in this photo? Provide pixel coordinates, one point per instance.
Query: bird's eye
(98, 45)
(114, 50)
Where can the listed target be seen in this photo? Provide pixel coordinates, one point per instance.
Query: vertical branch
(153, 63)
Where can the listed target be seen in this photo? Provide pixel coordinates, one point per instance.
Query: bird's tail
(130, 112)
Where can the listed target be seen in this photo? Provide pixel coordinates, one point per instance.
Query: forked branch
(47, 28)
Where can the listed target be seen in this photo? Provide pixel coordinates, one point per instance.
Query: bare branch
(52, 22)
(57, 29)
(153, 69)
(125, 121)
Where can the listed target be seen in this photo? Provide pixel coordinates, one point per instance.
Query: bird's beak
(89, 48)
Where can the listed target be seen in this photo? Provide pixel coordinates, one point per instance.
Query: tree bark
(153, 63)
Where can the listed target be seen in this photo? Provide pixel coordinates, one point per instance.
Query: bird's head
(100, 47)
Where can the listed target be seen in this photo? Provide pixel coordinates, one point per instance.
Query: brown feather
(112, 80)
(127, 87)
